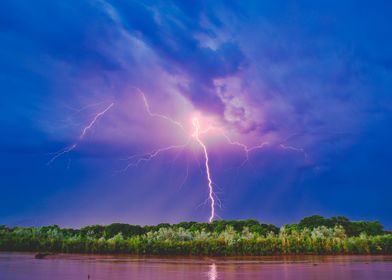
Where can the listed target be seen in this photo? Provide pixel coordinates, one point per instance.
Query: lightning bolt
(137, 159)
(62, 152)
(91, 124)
(195, 135)
(196, 125)
(144, 157)
(156, 115)
(81, 136)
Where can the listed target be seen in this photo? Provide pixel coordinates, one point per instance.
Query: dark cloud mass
(312, 79)
(172, 34)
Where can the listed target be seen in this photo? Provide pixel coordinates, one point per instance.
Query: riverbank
(257, 246)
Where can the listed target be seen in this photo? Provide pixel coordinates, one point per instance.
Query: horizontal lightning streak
(150, 155)
(245, 148)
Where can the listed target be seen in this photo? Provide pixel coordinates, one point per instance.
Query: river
(23, 266)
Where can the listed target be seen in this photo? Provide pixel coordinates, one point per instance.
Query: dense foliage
(351, 228)
(313, 235)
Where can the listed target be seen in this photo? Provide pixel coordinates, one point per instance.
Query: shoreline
(174, 256)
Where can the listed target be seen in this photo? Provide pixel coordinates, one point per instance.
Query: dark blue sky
(310, 79)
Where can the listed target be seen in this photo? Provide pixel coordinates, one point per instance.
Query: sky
(292, 97)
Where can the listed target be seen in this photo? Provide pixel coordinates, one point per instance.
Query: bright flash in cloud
(201, 128)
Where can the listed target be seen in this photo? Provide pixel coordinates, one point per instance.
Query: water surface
(22, 266)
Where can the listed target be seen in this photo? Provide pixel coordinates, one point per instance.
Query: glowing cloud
(195, 135)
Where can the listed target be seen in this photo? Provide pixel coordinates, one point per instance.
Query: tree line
(312, 235)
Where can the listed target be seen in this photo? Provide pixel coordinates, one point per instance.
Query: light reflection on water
(21, 266)
(212, 273)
